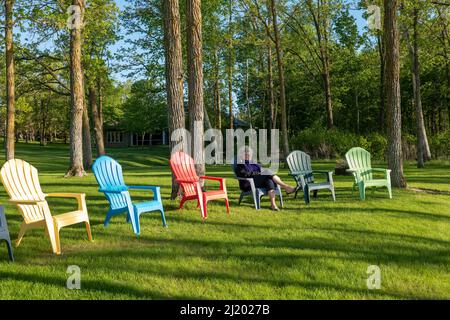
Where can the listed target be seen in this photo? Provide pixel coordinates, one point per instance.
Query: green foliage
(322, 143)
(144, 109)
(440, 145)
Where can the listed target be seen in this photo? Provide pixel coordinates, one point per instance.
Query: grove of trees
(307, 67)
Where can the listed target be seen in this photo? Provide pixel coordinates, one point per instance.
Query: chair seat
(215, 194)
(318, 186)
(147, 206)
(70, 218)
(376, 182)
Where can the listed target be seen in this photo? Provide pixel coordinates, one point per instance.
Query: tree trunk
(230, 65)
(77, 98)
(270, 92)
(174, 74)
(87, 146)
(279, 51)
(327, 89)
(381, 115)
(217, 99)
(10, 87)
(97, 120)
(43, 140)
(392, 42)
(195, 81)
(423, 149)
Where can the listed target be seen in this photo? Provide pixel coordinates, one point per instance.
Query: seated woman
(245, 168)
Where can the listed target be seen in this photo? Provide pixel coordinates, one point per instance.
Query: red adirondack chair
(183, 168)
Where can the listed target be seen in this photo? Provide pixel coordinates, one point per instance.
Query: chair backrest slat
(108, 173)
(183, 168)
(21, 182)
(358, 159)
(299, 161)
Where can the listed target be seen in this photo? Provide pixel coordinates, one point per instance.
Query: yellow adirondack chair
(21, 182)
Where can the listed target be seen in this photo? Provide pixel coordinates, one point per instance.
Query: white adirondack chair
(21, 182)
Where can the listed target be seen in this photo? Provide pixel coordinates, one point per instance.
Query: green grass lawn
(320, 251)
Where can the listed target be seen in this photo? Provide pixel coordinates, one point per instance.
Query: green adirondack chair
(360, 166)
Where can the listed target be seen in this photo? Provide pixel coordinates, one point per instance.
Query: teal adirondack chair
(108, 173)
(300, 169)
(360, 166)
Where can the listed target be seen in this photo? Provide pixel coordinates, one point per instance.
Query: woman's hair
(242, 151)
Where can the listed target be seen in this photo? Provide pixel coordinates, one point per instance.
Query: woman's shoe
(274, 209)
(293, 191)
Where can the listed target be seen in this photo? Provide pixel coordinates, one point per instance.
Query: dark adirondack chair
(301, 170)
(4, 233)
(255, 193)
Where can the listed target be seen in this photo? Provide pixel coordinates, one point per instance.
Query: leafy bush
(440, 145)
(322, 143)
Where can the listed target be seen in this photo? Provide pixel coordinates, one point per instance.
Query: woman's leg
(273, 203)
(285, 186)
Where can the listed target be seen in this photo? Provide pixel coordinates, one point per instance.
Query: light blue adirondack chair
(360, 166)
(300, 169)
(255, 193)
(108, 173)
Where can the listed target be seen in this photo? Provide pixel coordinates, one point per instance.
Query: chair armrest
(155, 189)
(81, 198)
(244, 179)
(220, 180)
(144, 187)
(212, 178)
(186, 181)
(65, 195)
(16, 201)
(322, 171)
(381, 170)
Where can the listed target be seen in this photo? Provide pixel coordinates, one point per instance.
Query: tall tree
(87, 145)
(97, 116)
(195, 81)
(423, 148)
(174, 74)
(230, 63)
(77, 94)
(392, 42)
(10, 86)
(279, 51)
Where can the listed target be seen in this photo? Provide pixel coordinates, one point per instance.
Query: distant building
(117, 137)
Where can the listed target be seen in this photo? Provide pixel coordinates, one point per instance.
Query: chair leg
(306, 194)
(333, 194)
(281, 197)
(22, 230)
(10, 251)
(56, 240)
(88, 230)
(389, 191)
(362, 191)
(203, 209)
(227, 204)
(136, 224)
(163, 217)
(240, 198)
(315, 194)
(108, 217)
(183, 200)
